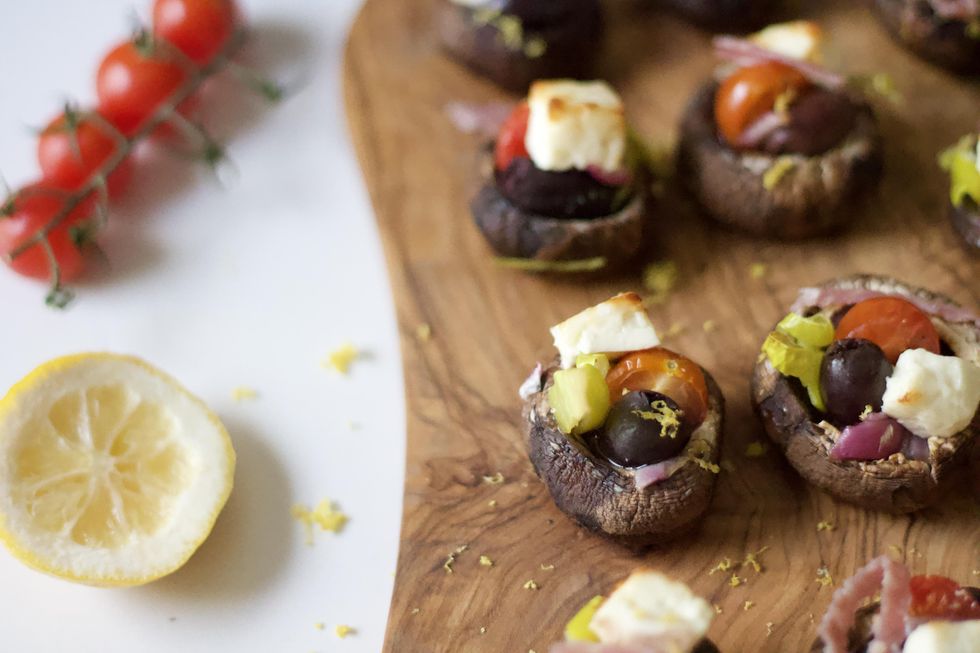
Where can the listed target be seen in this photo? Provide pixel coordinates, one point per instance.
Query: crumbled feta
(932, 395)
(945, 637)
(651, 608)
(615, 326)
(575, 125)
(799, 39)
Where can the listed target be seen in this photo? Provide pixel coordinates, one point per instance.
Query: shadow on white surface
(251, 539)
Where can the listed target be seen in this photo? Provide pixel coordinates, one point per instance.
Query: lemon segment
(111, 473)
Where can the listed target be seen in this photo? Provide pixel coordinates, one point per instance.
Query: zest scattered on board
(143, 86)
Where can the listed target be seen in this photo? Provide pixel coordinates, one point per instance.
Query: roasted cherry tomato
(32, 208)
(510, 140)
(751, 92)
(69, 165)
(131, 85)
(892, 323)
(937, 597)
(661, 370)
(198, 28)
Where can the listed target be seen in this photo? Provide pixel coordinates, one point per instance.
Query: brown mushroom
(896, 484)
(812, 195)
(513, 46)
(947, 43)
(604, 498)
(728, 15)
(966, 221)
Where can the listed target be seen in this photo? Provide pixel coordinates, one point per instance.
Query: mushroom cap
(944, 43)
(897, 484)
(966, 221)
(602, 497)
(571, 46)
(728, 15)
(513, 232)
(817, 196)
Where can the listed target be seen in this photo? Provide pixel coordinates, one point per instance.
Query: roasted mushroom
(625, 434)
(728, 15)
(962, 161)
(777, 147)
(514, 42)
(910, 356)
(945, 32)
(647, 612)
(914, 613)
(562, 188)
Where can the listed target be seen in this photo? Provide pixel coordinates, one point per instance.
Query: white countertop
(246, 285)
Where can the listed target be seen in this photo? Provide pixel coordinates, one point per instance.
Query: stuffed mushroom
(945, 32)
(777, 145)
(870, 388)
(563, 188)
(963, 164)
(913, 614)
(647, 613)
(729, 15)
(624, 432)
(514, 42)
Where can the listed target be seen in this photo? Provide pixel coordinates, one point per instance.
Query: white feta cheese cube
(932, 395)
(575, 125)
(799, 39)
(614, 327)
(651, 609)
(945, 637)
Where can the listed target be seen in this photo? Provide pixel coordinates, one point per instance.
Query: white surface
(246, 285)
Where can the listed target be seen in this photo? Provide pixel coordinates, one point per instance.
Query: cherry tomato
(892, 323)
(70, 165)
(751, 92)
(510, 140)
(131, 86)
(937, 597)
(661, 370)
(198, 28)
(32, 209)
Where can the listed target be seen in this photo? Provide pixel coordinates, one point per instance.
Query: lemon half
(111, 473)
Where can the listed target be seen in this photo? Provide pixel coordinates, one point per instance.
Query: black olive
(974, 592)
(572, 194)
(643, 428)
(818, 121)
(852, 377)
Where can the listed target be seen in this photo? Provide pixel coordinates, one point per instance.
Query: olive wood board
(489, 325)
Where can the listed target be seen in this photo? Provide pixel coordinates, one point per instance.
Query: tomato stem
(60, 296)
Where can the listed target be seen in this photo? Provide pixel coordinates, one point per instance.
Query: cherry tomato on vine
(69, 165)
(937, 597)
(892, 323)
(32, 208)
(131, 85)
(751, 92)
(198, 28)
(661, 370)
(510, 140)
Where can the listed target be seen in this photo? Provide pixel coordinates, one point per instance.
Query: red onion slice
(619, 177)
(876, 438)
(965, 10)
(888, 628)
(745, 53)
(757, 132)
(824, 297)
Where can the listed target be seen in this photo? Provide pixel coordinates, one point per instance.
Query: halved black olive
(643, 428)
(571, 194)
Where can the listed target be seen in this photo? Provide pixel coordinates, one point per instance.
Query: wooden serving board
(490, 325)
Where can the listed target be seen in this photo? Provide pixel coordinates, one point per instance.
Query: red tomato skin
(750, 92)
(62, 166)
(510, 139)
(131, 86)
(198, 28)
(938, 597)
(892, 323)
(33, 209)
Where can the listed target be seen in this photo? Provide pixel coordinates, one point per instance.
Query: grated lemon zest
(709, 326)
(496, 479)
(825, 526)
(342, 358)
(824, 577)
(735, 581)
(758, 270)
(748, 605)
(769, 626)
(343, 631)
(756, 449)
(724, 565)
(717, 608)
(547, 567)
(243, 393)
(319, 625)
(485, 561)
(659, 279)
(530, 585)
(492, 503)
(423, 332)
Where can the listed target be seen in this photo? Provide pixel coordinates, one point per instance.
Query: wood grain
(489, 326)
